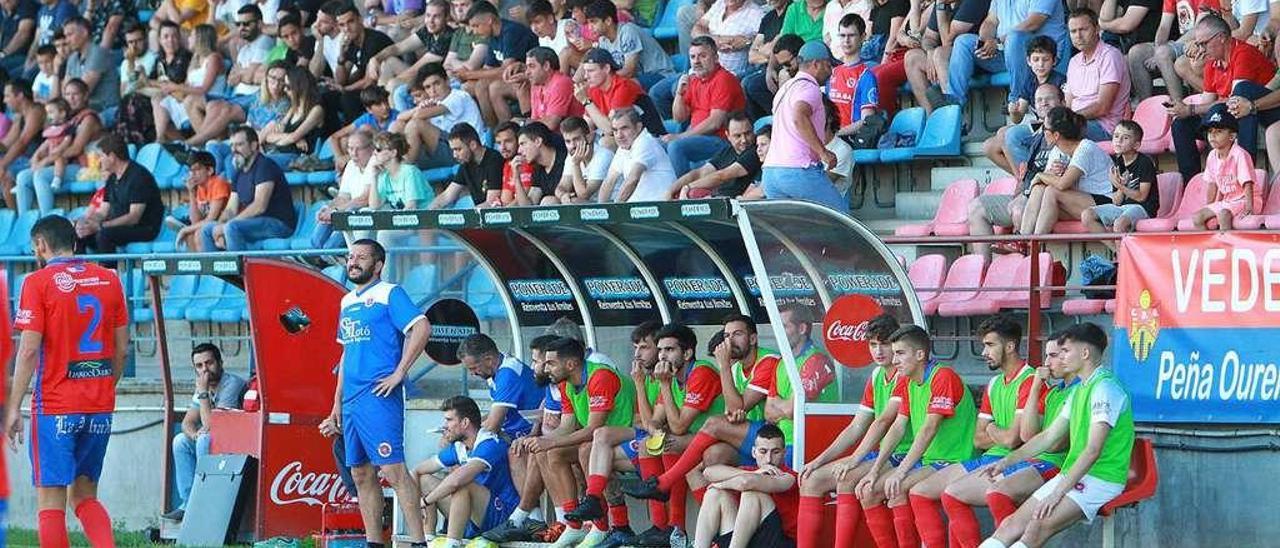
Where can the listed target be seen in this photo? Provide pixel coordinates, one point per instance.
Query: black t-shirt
(771, 25)
(549, 180)
(359, 55)
(136, 186)
(26, 10)
(307, 49)
(1146, 30)
(1142, 170)
(882, 15)
(747, 159)
(436, 44)
(175, 70)
(481, 177)
(513, 43)
(1039, 160)
(280, 204)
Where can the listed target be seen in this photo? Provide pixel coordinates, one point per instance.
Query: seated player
(1097, 421)
(816, 373)
(597, 401)
(937, 407)
(477, 494)
(828, 471)
(753, 505)
(997, 433)
(516, 397)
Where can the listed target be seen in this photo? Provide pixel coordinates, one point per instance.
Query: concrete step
(941, 177)
(885, 227)
(918, 205)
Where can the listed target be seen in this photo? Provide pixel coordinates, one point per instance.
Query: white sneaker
(570, 538)
(678, 538)
(593, 538)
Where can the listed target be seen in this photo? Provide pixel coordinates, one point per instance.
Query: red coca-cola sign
(844, 329)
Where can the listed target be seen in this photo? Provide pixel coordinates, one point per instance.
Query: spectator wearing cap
(1236, 73)
(704, 99)
(503, 76)
(727, 174)
(1228, 174)
(602, 90)
(640, 170)
(550, 90)
(207, 196)
(760, 87)
(635, 52)
(133, 209)
(1097, 78)
(798, 159)
(358, 176)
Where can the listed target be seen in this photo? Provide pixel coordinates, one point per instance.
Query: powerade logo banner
(618, 293)
(701, 293)
(545, 295)
(788, 288)
(1196, 327)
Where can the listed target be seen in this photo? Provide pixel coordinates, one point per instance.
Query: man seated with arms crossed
(998, 432)
(1097, 421)
(477, 494)
(597, 401)
(937, 407)
(215, 389)
(752, 505)
(828, 471)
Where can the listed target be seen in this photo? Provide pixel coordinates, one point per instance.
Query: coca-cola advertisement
(298, 477)
(844, 329)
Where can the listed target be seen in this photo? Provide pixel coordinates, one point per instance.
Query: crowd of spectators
(572, 101)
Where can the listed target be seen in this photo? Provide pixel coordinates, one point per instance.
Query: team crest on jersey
(384, 449)
(598, 401)
(64, 282)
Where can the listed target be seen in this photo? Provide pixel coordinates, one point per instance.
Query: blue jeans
(325, 237)
(38, 183)
(240, 233)
(686, 151)
(808, 183)
(759, 98)
(663, 94)
(1186, 131)
(1017, 139)
(1012, 58)
(186, 454)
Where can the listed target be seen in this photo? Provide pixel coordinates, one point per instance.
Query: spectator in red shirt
(1236, 73)
(604, 90)
(551, 92)
(704, 99)
(506, 141)
(767, 502)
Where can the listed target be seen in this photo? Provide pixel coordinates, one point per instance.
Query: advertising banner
(1195, 339)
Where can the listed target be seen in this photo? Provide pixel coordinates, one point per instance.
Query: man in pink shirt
(797, 162)
(704, 99)
(1097, 78)
(551, 92)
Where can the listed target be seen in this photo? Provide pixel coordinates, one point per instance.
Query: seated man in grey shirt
(215, 389)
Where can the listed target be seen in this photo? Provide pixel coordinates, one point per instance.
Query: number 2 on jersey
(93, 306)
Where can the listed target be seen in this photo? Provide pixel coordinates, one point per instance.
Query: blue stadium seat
(139, 300)
(283, 244)
(80, 187)
(421, 282)
(221, 151)
(208, 295)
(166, 241)
(232, 308)
(666, 28)
(19, 238)
(7, 218)
(907, 121)
(181, 292)
(673, 127)
(162, 165)
(681, 62)
(306, 225)
(483, 297)
(440, 174)
(1000, 80)
(941, 136)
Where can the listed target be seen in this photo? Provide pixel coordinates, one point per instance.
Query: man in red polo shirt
(704, 99)
(1234, 72)
(604, 90)
(551, 94)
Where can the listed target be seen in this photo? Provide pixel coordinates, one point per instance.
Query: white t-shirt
(658, 174)
(356, 180)
(332, 51)
(145, 64)
(254, 52)
(1241, 8)
(459, 107)
(744, 22)
(598, 167)
(1095, 166)
(560, 41)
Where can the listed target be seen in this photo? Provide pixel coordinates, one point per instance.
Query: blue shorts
(1046, 469)
(373, 429)
(65, 447)
(496, 514)
(974, 464)
(936, 466)
(633, 448)
(894, 459)
(745, 457)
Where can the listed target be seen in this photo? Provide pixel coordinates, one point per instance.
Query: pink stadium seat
(1269, 215)
(1069, 227)
(1110, 307)
(1197, 99)
(1083, 307)
(1047, 274)
(1192, 200)
(928, 272)
(1155, 122)
(966, 273)
(952, 218)
(1002, 274)
(1259, 190)
(1170, 187)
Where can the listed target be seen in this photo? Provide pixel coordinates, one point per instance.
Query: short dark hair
(1084, 12)
(507, 126)
(704, 41)
(882, 327)
(1042, 44)
(770, 431)
(739, 116)
(684, 336)
(545, 55)
(645, 330)
(799, 313)
(132, 26)
(1004, 326)
(22, 86)
(1088, 333)
(77, 21)
(854, 20)
(464, 407)
(334, 7)
(290, 19)
(345, 8)
(1131, 126)
(210, 348)
(77, 83)
(765, 130)
(168, 24)
(113, 144)
(204, 158)
(379, 252)
(913, 335)
(56, 231)
(1065, 122)
(481, 8)
(251, 9)
(541, 8)
(575, 124)
(247, 130)
(537, 130)
(464, 132)
(477, 345)
(564, 347)
(46, 50)
(738, 317)
(789, 42)
(428, 70)
(373, 95)
(601, 9)
(540, 342)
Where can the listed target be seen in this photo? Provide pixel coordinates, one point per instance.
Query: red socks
(848, 514)
(809, 522)
(596, 484)
(687, 462)
(569, 506)
(618, 515)
(53, 529)
(1001, 506)
(97, 524)
(652, 467)
(699, 493)
(928, 520)
(880, 522)
(905, 525)
(963, 523)
(678, 495)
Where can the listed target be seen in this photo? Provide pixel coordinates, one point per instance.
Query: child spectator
(1134, 179)
(57, 137)
(378, 117)
(1042, 57)
(1228, 173)
(46, 83)
(207, 196)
